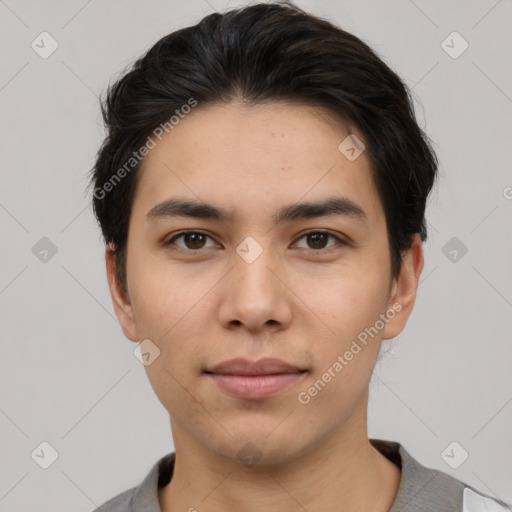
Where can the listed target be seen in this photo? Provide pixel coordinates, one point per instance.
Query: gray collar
(421, 488)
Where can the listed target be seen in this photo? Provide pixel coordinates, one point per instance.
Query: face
(270, 279)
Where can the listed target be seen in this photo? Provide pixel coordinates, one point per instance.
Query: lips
(266, 366)
(254, 380)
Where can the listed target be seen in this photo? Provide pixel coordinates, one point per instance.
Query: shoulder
(475, 501)
(145, 495)
(427, 489)
(120, 503)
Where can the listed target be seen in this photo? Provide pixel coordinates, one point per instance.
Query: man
(262, 193)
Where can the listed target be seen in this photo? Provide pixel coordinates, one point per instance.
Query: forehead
(253, 157)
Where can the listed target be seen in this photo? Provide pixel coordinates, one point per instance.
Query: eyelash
(328, 233)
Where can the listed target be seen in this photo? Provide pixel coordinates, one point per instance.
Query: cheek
(171, 308)
(351, 307)
(350, 303)
(165, 297)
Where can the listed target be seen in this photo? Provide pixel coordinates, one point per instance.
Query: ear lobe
(404, 288)
(122, 305)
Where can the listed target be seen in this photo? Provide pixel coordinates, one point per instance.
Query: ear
(122, 305)
(403, 290)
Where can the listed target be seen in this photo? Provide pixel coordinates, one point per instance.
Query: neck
(345, 468)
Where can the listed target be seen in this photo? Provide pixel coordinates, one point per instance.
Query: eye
(319, 238)
(194, 240)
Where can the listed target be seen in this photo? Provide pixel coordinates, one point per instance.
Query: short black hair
(257, 54)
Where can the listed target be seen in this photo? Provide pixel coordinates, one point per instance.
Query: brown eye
(193, 240)
(317, 240)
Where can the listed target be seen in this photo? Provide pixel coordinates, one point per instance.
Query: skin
(302, 300)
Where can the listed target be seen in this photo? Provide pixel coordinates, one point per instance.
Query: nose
(255, 293)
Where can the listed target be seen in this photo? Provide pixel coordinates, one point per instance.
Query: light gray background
(68, 375)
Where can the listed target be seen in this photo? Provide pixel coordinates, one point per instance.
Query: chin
(259, 446)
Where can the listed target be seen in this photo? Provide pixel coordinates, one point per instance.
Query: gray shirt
(421, 489)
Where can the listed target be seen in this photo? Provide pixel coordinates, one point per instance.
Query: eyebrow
(339, 206)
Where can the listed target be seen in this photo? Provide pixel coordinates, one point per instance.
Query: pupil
(315, 236)
(192, 236)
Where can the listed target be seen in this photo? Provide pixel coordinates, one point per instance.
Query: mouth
(249, 380)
